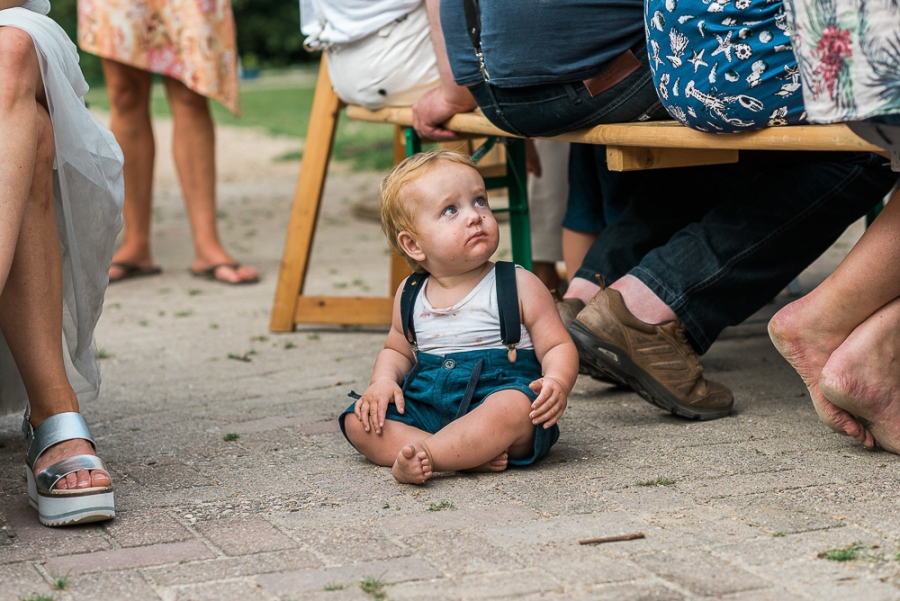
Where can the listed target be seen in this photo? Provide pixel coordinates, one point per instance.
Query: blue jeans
(552, 109)
(717, 243)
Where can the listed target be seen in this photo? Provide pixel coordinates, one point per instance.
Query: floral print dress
(849, 57)
(192, 41)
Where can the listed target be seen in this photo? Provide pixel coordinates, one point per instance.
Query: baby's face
(456, 230)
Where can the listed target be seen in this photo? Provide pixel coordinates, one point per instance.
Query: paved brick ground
(289, 511)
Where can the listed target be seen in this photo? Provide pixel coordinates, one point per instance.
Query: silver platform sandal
(64, 507)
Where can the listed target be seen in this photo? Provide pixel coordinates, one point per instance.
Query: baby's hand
(548, 407)
(371, 407)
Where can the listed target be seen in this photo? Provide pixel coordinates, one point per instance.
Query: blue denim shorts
(435, 388)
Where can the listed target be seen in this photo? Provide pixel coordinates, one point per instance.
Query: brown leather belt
(616, 72)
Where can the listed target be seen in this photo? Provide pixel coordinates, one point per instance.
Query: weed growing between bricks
(374, 587)
(659, 481)
(846, 554)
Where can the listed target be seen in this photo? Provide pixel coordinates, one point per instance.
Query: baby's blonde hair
(396, 214)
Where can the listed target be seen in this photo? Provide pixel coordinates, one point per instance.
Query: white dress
(88, 192)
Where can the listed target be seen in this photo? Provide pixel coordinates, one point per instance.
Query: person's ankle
(53, 401)
(582, 289)
(642, 302)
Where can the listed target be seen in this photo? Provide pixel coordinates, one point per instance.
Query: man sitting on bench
(699, 248)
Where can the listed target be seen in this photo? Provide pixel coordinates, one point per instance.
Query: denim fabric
(433, 393)
(549, 110)
(717, 243)
(597, 196)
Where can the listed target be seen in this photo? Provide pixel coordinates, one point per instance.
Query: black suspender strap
(411, 287)
(508, 303)
(473, 27)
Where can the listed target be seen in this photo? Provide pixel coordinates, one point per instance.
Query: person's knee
(19, 68)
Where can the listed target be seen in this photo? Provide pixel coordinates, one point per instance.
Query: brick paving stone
(456, 520)
(769, 550)
(353, 487)
(350, 543)
(779, 512)
(349, 593)
(117, 585)
(134, 557)
(222, 568)
(456, 552)
(579, 565)
(705, 489)
(825, 580)
(769, 594)
(638, 590)
(244, 535)
(394, 570)
(357, 513)
(148, 527)
(555, 496)
(21, 581)
(34, 541)
(219, 591)
(477, 586)
(316, 428)
(648, 500)
(566, 529)
(699, 572)
(164, 473)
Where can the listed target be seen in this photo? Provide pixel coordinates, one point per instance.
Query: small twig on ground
(611, 539)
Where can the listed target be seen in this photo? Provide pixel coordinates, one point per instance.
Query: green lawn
(283, 109)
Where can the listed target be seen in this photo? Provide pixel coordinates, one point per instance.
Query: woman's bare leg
(810, 329)
(31, 296)
(193, 146)
(129, 101)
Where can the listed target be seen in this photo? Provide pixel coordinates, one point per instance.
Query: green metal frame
(516, 186)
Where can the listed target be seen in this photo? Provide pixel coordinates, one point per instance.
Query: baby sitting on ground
(458, 385)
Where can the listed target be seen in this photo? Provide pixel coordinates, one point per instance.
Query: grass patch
(183, 313)
(441, 506)
(659, 481)
(334, 587)
(60, 583)
(37, 598)
(289, 345)
(846, 554)
(231, 436)
(284, 111)
(778, 534)
(245, 357)
(374, 587)
(103, 354)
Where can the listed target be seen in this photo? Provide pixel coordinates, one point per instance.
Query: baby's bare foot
(807, 348)
(79, 479)
(863, 375)
(497, 464)
(413, 465)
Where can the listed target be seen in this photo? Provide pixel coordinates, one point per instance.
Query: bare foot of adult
(799, 337)
(863, 375)
(497, 464)
(413, 465)
(79, 479)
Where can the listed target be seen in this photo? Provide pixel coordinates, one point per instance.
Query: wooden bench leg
(307, 199)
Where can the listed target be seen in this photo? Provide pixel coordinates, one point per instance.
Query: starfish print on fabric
(697, 59)
(724, 46)
(654, 46)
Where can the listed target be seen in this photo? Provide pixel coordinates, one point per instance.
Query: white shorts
(547, 199)
(392, 67)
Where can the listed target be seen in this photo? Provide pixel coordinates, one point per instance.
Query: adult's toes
(99, 478)
(84, 478)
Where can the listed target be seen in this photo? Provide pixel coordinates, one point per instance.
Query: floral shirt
(189, 40)
(849, 57)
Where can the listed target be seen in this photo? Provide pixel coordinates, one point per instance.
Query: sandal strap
(58, 428)
(47, 478)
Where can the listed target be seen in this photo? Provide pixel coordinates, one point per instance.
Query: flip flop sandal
(210, 274)
(131, 271)
(64, 507)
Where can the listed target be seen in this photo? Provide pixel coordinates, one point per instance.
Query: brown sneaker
(657, 361)
(568, 309)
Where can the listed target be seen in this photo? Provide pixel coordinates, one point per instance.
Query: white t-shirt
(329, 22)
(472, 324)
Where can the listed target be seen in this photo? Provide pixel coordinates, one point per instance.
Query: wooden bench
(629, 147)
